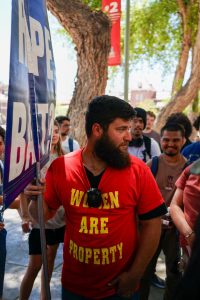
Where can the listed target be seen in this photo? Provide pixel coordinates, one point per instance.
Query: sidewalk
(17, 259)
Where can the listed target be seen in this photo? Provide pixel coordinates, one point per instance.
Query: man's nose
(128, 136)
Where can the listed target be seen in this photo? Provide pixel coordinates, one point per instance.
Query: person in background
(142, 146)
(185, 206)
(192, 151)
(183, 120)
(68, 143)
(14, 205)
(167, 168)
(54, 231)
(196, 125)
(105, 252)
(148, 131)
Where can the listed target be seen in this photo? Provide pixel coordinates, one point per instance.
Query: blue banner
(31, 96)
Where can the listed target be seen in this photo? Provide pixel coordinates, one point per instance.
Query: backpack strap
(147, 144)
(71, 146)
(154, 165)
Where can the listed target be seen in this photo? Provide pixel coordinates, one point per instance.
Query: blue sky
(65, 60)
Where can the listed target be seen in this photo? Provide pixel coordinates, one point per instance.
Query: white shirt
(139, 151)
(65, 145)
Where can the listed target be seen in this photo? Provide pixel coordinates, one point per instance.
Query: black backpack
(147, 144)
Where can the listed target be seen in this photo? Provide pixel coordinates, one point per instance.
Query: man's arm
(178, 217)
(149, 236)
(33, 192)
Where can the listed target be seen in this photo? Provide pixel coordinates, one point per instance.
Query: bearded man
(104, 191)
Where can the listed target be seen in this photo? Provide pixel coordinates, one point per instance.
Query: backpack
(147, 144)
(71, 146)
(155, 162)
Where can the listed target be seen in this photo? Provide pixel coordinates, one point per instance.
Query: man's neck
(146, 130)
(91, 161)
(63, 137)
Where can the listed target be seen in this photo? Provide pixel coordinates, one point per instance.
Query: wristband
(189, 234)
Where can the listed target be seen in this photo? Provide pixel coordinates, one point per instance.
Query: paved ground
(17, 258)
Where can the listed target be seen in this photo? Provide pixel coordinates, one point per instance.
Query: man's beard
(170, 154)
(107, 151)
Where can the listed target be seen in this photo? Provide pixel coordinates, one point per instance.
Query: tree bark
(184, 11)
(90, 32)
(188, 92)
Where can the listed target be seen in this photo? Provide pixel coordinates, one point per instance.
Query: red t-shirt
(190, 184)
(99, 242)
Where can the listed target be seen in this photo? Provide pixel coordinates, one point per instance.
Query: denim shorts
(66, 295)
(3, 233)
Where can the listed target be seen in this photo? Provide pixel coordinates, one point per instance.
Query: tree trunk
(184, 11)
(190, 91)
(90, 31)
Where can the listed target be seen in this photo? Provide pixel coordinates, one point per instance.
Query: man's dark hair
(196, 123)
(141, 113)
(183, 120)
(104, 110)
(173, 127)
(61, 119)
(2, 133)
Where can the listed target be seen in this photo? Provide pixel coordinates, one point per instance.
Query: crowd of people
(115, 204)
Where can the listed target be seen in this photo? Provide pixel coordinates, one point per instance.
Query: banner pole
(126, 51)
(43, 237)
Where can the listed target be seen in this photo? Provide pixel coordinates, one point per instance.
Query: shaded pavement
(17, 260)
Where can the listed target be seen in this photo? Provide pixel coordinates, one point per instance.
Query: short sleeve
(155, 149)
(181, 181)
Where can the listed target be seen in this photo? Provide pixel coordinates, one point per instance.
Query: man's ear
(97, 130)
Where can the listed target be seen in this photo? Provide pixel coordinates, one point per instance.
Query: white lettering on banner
(48, 54)
(22, 154)
(30, 152)
(34, 46)
(37, 44)
(43, 111)
(18, 143)
(25, 49)
(51, 123)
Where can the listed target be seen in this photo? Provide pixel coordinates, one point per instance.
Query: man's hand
(125, 284)
(32, 190)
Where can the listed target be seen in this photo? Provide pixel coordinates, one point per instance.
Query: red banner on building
(113, 9)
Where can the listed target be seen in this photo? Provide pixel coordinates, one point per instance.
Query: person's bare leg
(34, 266)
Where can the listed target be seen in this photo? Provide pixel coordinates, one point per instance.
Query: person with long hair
(54, 231)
